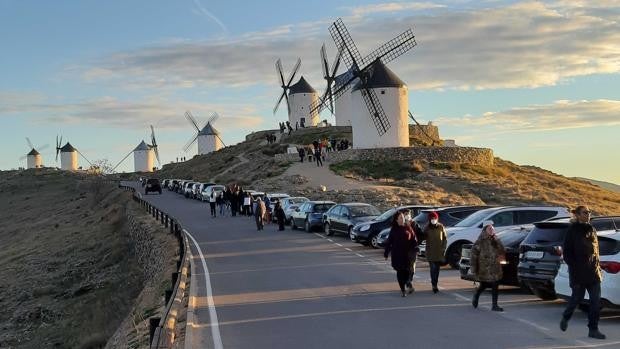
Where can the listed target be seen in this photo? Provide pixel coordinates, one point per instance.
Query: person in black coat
(400, 244)
(280, 217)
(581, 254)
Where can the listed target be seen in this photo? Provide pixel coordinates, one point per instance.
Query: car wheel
(351, 236)
(374, 241)
(307, 226)
(453, 257)
(327, 229)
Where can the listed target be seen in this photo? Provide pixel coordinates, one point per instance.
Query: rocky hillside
(70, 274)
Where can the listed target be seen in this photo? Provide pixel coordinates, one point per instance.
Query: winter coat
(280, 216)
(402, 244)
(581, 254)
(486, 255)
(436, 242)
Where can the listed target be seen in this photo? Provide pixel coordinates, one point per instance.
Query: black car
(342, 218)
(511, 239)
(152, 184)
(310, 214)
(541, 253)
(366, 233)
(448, 216)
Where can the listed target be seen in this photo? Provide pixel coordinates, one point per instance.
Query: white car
(609, 249)
(206, 192)
(468, 230)
(273, 197)
(290, 204)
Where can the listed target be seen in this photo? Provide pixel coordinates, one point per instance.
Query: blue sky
(536, 81)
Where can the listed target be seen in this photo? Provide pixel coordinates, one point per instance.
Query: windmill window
(382, 92)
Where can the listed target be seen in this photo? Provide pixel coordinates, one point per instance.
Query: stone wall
(478, 156)
(424, 134)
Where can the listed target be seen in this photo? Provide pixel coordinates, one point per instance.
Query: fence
(162, 334)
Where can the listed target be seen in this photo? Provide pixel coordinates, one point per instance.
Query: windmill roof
(142, 146)
(68, 148)
(208, 130)
(302, 86)
(343, 78)
(381, 76)
(34, 152)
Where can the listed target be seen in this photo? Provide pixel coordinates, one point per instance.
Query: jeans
(434, 266)
(579, 291)
(402, 276)
(212, 205)
(494, 290)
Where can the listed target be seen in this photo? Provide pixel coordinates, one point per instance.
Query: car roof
(460, 207)
(319, 202)
(612, 234)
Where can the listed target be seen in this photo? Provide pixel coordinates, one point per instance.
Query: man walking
(581, 254)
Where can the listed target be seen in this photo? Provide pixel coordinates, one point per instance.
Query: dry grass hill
(386, 183)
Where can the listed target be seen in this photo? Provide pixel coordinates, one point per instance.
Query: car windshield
(320, 208)
(512, 237)
(473, 219)
(386, 215)
(546, 235)
(364, 211)
(297, 200)
(422, 217)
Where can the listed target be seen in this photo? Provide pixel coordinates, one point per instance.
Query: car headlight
(365, 227)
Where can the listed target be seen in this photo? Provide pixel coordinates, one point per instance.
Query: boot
(435, 289)
(563, 324)
(474, 301)
(497, 308)
(595, 333)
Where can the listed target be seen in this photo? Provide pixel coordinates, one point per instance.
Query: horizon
(535, 81)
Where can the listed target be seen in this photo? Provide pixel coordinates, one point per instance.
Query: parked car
(152, 184)
(290, 204)
(609, 251)
(511, 239)
(366, 233)
(310, 214)
(467, 230)
(342, 218)
(199, 189)
(188, 189)
(541, 254)
(206, 191)
(173, 184)
(164, 183)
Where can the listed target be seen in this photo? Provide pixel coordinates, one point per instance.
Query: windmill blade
(324, 63)
(393, 48)
(220, 138)
(295, 69)
(192, 120)
(120, 162)
(412, 118)
(189, 144)
(336, 62)
(275, 109)
(377, 114)
(154, 144)
(29, 143)
(58, 144)
(157, 155)
(344, 41)
(288, 106)
(43, 147)
(279, 72)
(82, 155)
(23, 157)
(213, 118)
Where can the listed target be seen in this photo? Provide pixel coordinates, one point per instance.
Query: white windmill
(379, 101)
(68, 156)
(208, 137)
(33, 158)
(144, 155)
(298, 98)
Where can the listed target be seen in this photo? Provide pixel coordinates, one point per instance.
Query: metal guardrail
(162, 329)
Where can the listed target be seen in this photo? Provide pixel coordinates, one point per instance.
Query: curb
(189, 322)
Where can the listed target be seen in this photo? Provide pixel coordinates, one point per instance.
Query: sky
(536, 81)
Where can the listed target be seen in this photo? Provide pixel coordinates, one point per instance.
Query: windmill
(208, 137)
(68, 156)
(298, 97)
(33, 158)
(371, 74)
(144, 155)
(330, 77)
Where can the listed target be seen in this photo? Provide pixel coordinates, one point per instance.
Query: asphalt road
(293, 289)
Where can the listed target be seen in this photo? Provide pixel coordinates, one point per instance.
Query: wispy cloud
(392, 7)
(201, 9)
(560, 115)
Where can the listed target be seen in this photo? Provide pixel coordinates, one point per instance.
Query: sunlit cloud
(560, 115)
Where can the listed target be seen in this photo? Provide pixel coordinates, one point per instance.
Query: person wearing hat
(436, 242)
(487, 255)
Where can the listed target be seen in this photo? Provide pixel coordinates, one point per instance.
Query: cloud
(201, 9)
(392, 7)
(560, 115)
(527, 44)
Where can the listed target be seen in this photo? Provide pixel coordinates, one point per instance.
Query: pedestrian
(296, 125)
(400, 243)
(317, 155)
(290, 129)
(246, 203)
(436, 242)
(212, 202)
(220, 202)
(302, 154)
(259, 213)
(280, 216)
(581, 254)
(413, 253)
(487, 257)
(268, 207)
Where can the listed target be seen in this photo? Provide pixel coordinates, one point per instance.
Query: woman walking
(487, 255)
(212, 202)
(400, 243)
(259, 213)
(280, 216)
(436, 241)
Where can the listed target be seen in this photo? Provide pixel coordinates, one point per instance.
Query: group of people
(318, 150)
(580, 253)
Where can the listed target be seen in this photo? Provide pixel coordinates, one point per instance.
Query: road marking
(348, 249)
(215, 328)
(459, 296)
(359, 255)
(535, 325)
(319, 235)
(337, 244)
(330, 240)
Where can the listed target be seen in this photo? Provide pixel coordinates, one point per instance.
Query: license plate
(534, 254)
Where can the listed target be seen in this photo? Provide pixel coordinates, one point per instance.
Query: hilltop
(387, 182)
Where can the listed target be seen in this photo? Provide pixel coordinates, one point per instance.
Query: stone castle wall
(478, 156)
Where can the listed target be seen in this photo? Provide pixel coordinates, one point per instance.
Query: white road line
(359, 255)
(337, 244)
(460, 296)
(535, 325)
(319, 235)
(348, 249)
(215, 327)
(330, 240)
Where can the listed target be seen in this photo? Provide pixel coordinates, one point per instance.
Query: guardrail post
(167, 296)
(172, 223)
(166, 222)
(174, 277)
(179, 261)
(162, 218)
(153, 324)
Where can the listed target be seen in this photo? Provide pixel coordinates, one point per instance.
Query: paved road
(293, 289)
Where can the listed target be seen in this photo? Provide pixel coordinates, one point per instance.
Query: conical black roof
(142, 146)
(33, 152)
(302, 86)
(68, 148)
(381, 77)
(208, 130)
